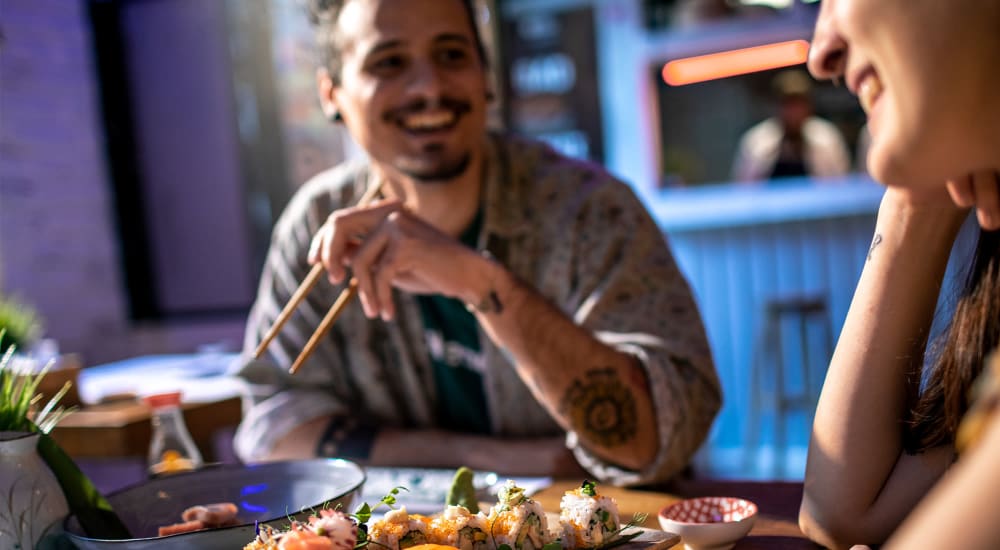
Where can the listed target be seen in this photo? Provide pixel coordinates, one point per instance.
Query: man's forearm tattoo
(877, 240)
(601, 408)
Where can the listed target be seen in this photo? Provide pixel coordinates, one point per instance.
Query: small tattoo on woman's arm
(875, 242)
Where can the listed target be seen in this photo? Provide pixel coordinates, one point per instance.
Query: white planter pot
(31, 501)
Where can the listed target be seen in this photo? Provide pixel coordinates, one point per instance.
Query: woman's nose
(828, 52)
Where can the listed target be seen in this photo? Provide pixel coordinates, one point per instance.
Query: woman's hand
(982, 191)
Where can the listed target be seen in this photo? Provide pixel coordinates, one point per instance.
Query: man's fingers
(984, 186)
(961, 192)
(384, 274)
(344, 228)
(316, 245)
(363, 262)
(330, 252)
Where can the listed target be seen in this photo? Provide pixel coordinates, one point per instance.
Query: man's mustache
(457, 106)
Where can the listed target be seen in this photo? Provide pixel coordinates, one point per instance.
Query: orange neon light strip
(724, 64)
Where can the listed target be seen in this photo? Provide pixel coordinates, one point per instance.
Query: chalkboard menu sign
(551, 80)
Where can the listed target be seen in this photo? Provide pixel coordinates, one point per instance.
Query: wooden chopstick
(325, 324)
(300, 293)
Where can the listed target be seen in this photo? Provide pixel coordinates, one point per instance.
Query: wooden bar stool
(796, 313)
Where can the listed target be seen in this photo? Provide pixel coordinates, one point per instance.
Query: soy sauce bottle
(171, 449)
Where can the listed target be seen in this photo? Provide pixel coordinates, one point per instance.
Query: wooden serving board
(630, 502)
(651, 539)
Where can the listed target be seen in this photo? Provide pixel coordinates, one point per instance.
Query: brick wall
(58, 248)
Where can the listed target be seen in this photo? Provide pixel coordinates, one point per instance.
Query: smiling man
(519, 311)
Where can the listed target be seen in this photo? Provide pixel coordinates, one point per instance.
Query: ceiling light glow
(735, 62)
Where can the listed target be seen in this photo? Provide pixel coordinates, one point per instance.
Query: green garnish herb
(588, 488)
(510, 495)
(618, 539)
(362, 536)
(364, 512)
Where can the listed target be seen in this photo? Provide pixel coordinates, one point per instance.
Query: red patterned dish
(709, 523)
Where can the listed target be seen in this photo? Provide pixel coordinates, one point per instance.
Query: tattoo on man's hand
(600, 407)
(877, 240)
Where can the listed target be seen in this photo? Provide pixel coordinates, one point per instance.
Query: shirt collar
(505, 192)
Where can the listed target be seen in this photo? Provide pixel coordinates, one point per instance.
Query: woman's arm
(961, 511)
(859, 483)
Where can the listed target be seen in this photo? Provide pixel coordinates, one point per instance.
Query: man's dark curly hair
(323, 14)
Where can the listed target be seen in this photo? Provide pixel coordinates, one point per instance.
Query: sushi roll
(517, 521)
(399, 530)
(588, 519)
(331, 529)
(459, 527)
(336, 526)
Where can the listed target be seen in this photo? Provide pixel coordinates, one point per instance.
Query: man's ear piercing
(335, 117)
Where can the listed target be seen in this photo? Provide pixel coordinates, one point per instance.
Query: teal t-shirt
(452, 335)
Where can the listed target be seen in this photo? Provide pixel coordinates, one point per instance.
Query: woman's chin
(879, 168)
(906, 176)
(890, 167)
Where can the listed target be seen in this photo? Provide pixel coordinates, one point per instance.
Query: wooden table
(776, 527)
(122, 428)
(778, 503)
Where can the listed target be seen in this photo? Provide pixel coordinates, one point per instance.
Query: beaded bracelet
(345, 437)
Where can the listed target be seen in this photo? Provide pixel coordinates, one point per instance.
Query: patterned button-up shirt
(567, 227)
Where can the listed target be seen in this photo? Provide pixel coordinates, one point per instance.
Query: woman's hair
(961, 353)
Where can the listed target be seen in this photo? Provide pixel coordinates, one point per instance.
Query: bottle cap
(159, 400)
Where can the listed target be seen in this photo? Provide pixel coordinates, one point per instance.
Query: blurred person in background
(793, 143)
(885, 429)
(519, 311)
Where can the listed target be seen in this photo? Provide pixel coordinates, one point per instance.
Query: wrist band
(489, 302)
(345, 437)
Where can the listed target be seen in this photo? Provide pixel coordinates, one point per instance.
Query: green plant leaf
(20, 323)
(96, 516)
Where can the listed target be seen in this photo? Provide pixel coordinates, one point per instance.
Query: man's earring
(334, 117)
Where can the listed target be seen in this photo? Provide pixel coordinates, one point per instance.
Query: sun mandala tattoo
(602, 407)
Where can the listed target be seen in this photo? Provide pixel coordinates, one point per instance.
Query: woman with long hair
(925, 72)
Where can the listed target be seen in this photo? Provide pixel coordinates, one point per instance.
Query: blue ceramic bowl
(266, 493)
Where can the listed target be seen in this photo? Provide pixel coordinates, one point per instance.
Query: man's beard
(440, 169)
(443, 171)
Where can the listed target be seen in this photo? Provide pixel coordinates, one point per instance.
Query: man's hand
(388, 246)
(982, 191)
